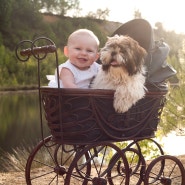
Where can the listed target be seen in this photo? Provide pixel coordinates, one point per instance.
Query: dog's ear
(135, 64)
(140, 57)
(115, 37)
(108, 38)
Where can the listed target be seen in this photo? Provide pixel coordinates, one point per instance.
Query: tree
(99, 14)
(137, 14)
(173, 118)
(60, 7)
(102, 14)
(22, 21)
(5, 14)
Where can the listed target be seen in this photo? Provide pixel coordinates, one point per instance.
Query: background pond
(20, 120)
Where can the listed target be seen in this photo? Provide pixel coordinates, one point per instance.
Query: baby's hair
(84, 31)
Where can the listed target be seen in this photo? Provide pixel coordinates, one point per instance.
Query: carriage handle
(38, 50)
(40, 53)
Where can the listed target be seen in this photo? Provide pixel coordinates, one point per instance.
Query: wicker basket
(84, 116)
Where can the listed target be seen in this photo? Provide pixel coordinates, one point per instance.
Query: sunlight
(169, 13)
(173, 144)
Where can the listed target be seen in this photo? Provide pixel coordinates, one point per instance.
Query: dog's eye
(123, 50)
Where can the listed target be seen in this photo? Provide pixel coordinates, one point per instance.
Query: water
(20, 120)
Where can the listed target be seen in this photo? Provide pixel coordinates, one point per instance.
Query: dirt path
(18, 178)
(14, 178)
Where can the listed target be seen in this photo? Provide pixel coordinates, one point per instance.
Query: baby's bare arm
(67, 78)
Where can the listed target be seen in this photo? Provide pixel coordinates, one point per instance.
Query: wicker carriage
(88, 116)
(85, 129)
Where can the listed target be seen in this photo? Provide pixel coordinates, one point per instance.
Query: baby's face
(82, 51)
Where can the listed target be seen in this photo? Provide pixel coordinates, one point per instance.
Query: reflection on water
(20, 120)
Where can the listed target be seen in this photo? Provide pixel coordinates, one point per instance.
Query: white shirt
(82, 78)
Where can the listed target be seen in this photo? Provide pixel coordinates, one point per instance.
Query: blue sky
(171, 13)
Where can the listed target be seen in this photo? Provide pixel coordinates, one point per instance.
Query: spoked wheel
(149, 148)
(136, 168)
(167, 170)
(92, 165)
(48, 163)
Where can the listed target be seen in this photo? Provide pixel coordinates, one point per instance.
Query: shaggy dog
(122, 70)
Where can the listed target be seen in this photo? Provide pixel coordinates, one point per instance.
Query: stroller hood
(140, 30)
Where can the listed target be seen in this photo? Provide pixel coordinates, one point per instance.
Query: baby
(80, 68)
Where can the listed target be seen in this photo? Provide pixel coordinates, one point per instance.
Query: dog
(122, 70)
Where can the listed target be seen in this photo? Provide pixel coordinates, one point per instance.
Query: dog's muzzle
(105, 67)
(114, 63)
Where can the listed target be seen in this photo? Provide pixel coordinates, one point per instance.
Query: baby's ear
(66, 51)
(97, 56)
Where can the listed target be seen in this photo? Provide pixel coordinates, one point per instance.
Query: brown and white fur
(122, 70)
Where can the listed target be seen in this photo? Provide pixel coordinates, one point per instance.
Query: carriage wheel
(94, 169)
(167, 170)
(149, 148)
(48, 162)
(136, 168)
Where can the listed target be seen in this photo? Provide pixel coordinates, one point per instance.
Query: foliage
(26, 23)
(65, 26)
(7, 67)
(15, 73)
(5, 14)
(173, 118)
(60, 7)
(149, 149)
(99, 14)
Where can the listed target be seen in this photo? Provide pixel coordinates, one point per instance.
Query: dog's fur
(122, 70)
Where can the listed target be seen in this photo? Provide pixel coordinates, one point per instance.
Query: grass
(15, 161)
